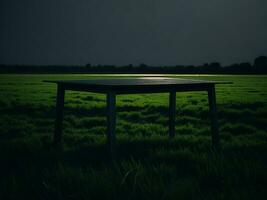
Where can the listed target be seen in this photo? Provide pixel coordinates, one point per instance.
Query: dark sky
(157, 32)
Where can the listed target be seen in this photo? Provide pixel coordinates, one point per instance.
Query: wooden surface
(172, 112)
(137, 85)
(111, 122)
(59, 114)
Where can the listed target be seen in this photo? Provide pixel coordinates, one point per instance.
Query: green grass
(148, 164)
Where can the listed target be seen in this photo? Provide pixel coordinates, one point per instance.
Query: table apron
(140, 90)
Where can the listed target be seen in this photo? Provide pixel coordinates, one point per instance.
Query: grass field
(148, 164)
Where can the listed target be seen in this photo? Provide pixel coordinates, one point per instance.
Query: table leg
(111, 120)
(172, 110)
(213, 117)
(59, 114)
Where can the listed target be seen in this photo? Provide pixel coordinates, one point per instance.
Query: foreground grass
(148, 165)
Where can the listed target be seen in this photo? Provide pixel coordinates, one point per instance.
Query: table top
(138, 81)
(129, 85)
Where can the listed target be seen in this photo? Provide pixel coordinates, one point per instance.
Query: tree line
(259, 66)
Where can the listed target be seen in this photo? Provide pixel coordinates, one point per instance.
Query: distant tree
(260, 64)
(245, 67)
(88, 65)
(205, 64)
(215, 65)
(142, 65)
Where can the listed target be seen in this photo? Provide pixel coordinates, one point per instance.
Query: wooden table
(113, 87)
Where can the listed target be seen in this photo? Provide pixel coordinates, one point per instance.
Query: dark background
(119, 32)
